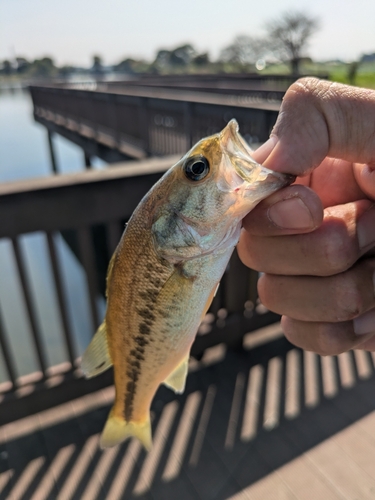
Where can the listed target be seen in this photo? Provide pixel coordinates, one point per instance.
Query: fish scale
(165, 272)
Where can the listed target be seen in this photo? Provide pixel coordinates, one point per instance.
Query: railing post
(52, 152)
(8, 357)
(188, 124)
(27, 295)
(144, 124)
(87, 160)
(237, 285)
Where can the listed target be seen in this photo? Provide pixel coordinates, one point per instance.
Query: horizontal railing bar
(69, 201)
(165, 95)
(117, 172)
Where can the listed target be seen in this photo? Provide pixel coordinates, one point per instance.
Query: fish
(165, 271)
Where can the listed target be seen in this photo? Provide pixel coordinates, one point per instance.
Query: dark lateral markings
(149, 296)
(147, 316)
(133, 372)
(134, 369)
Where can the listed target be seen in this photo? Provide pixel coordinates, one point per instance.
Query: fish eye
(196, 168)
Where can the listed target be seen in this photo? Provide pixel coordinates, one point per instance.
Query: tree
(289, 36)
(181, 56)
(97, 64)
(23, 65)
(162, 59)
(201, 59)
(43, 67)
(353, 71)
(7, 67)
(244, 50)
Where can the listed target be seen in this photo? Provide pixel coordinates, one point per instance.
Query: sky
(72, 31)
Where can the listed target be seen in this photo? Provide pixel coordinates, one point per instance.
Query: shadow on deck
(243, 415)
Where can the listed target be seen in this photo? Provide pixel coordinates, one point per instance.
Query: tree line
(285, 39)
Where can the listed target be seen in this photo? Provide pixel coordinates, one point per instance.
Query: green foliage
(179, 57)
(364, 77)
(42, 67)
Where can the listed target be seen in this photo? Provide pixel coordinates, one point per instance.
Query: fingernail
(265, 149)
(365, 323)
(291, 214)
(365, 229)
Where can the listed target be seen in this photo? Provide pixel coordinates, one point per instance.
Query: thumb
(318, 119)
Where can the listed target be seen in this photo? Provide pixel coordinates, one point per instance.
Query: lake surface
(24, 154)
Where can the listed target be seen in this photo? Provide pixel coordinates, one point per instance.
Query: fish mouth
(250, 171)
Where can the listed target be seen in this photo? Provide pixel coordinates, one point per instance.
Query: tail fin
(116, 430)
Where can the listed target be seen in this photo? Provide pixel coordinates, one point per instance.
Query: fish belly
(154, 311)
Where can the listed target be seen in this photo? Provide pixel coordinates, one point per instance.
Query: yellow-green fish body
(165, 271)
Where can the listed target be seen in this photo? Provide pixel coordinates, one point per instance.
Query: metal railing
(146, 121)
(89, 210)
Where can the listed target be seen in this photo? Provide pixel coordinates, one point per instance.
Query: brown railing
(89, 209)
(257, 90)
(145, 121)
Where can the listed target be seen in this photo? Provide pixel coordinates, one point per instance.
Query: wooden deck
(269, 422)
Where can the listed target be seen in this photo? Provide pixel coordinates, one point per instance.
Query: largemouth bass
(165, 271)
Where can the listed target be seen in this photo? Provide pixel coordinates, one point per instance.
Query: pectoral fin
(96, 359)
(176, 380)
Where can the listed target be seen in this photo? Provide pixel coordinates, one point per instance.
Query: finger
(294, 209)
(338, 298)
(346, 233)
(334, 181)
(365, 178)
(318, 119)
(326, 339)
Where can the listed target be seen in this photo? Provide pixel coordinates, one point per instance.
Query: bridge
(138, 119)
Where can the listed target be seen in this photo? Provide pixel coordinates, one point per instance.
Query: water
(23, 143)
(24, 154)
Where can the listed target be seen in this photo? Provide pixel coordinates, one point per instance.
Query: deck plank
(203, 446)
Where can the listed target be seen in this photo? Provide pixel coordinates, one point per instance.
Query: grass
(338, 72)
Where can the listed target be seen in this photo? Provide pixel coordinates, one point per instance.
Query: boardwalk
(267, 423)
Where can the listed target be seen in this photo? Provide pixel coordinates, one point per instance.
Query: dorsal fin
(96, 359)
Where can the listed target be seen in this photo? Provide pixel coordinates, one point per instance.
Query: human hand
(315, 240)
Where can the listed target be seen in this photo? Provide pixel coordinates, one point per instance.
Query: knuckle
(327, 342)
(246, 254)
(262, 290)
(308, 88)
(290, 333)
(338, 252)
(325, 339)
(251, 252)
(350, 300)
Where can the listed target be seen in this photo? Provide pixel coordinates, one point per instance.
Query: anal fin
(176, 380)
(96, 359)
